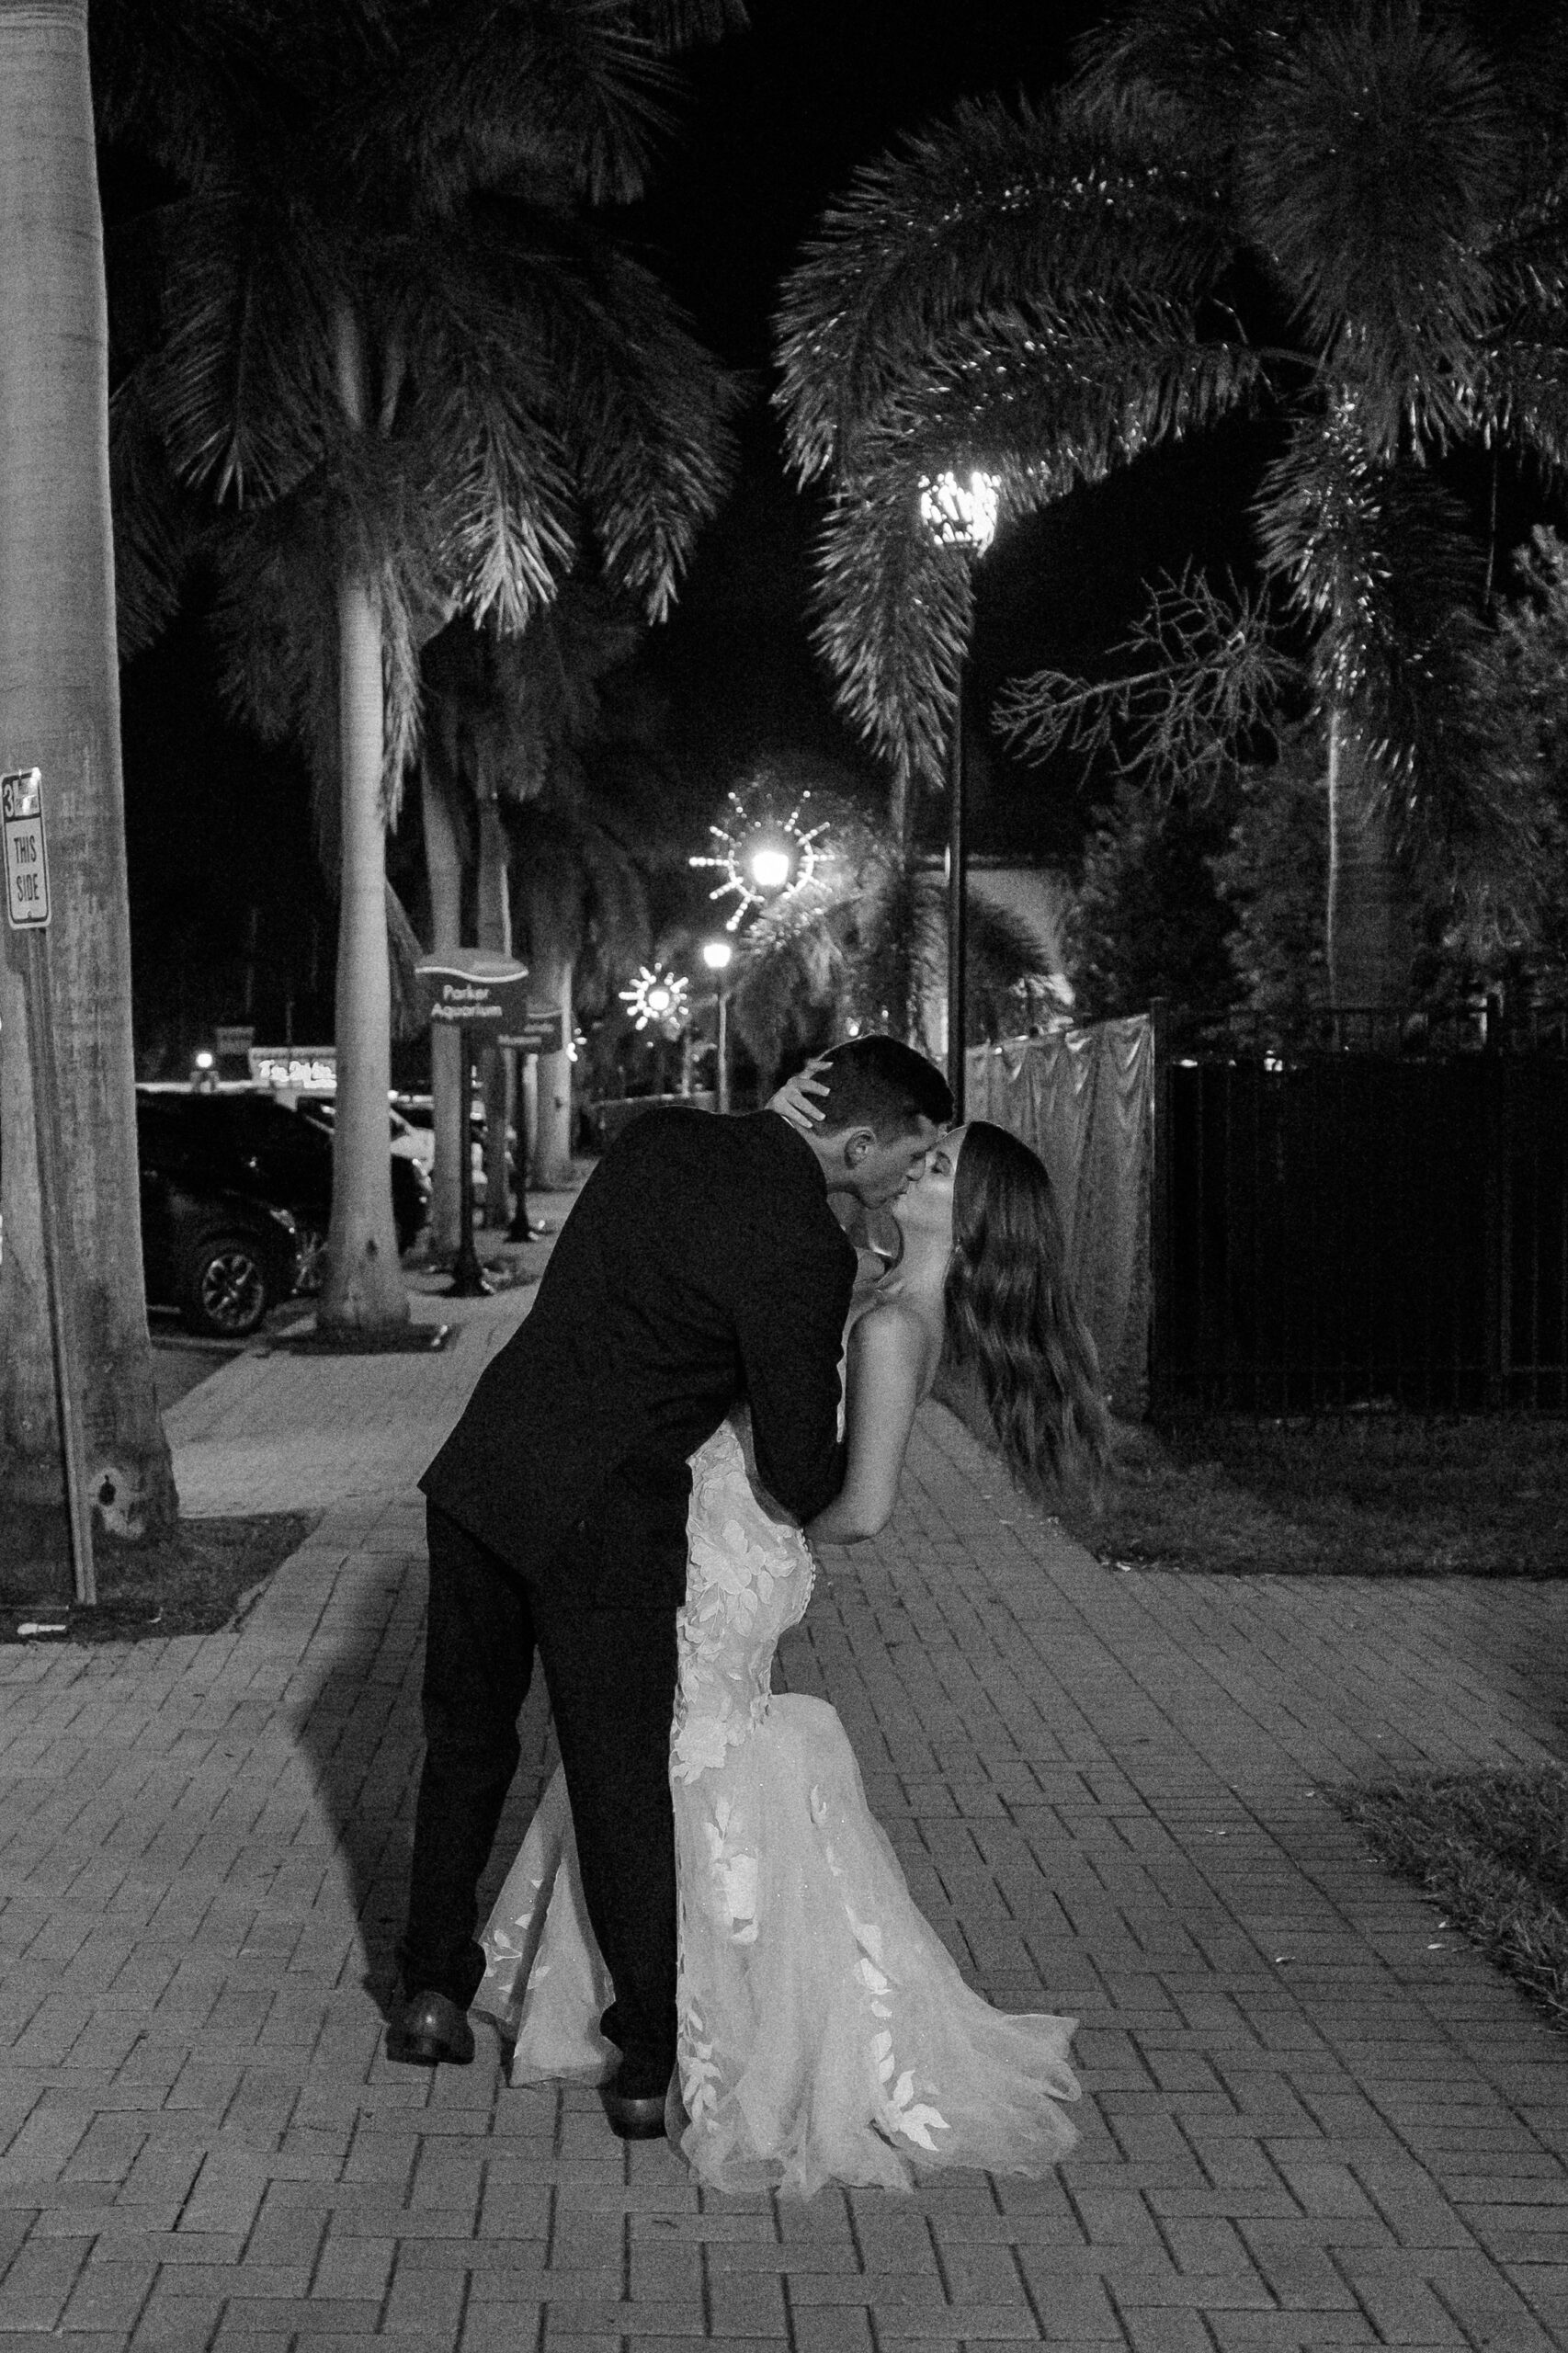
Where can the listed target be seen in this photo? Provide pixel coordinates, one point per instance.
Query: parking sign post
(28, 912)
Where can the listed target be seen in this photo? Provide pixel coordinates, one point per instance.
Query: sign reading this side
(27, 854)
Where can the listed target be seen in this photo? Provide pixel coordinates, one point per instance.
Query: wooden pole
(57, 1270)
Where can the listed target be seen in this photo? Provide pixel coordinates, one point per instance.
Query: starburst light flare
(658, 1000)
(760, 854)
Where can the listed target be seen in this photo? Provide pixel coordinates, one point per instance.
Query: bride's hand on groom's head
(795, 1099)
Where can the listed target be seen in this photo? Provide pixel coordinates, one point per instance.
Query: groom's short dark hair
(883, 1084)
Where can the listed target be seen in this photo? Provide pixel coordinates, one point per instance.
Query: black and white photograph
(784, 1176)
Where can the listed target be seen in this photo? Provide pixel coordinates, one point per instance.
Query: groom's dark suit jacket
(701, 1263)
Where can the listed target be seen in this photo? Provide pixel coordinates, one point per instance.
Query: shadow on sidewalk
(356, 1721)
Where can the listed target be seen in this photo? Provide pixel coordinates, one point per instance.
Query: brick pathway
(1311, 2117)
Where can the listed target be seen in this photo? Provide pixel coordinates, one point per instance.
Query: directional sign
(475, 990)
(539, 1034)
(27, 853)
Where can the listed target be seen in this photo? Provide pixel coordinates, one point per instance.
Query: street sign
(539, 1034)
(233, 1038)
(27, 853)
(474, 989)
(310, 1069)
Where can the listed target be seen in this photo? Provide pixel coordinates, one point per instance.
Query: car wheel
(224, 1290)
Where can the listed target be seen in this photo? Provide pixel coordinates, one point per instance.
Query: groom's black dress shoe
(429, 2030)
(635, 2119)
(645, 2120)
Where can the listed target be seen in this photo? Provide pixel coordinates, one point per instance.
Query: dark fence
(1360, 1211)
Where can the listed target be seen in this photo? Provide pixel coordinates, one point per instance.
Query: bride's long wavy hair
(1012, 1325)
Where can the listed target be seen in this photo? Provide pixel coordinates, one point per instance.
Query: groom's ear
(857, 1144)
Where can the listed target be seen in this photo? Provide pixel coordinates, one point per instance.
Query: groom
(702, 1264)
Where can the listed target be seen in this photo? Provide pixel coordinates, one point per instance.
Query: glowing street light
(960, 512)
(657, 1000)
(770, 867)
(718, 955)
(759, 854)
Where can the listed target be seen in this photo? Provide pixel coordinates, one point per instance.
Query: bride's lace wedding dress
(826, 2034)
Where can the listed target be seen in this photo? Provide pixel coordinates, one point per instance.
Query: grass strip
(1372, 1495)
(1492, 1849)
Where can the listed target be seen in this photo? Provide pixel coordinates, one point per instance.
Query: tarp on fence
(1085, 1100)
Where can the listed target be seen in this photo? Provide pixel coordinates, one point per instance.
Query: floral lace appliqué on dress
(826, 2032)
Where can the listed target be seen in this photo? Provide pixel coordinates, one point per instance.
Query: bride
(824, 2032)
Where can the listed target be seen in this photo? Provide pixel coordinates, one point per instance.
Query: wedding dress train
(824, 2032)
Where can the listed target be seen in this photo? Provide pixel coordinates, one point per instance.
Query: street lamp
(717, 955)
(770, 866)
(760, 853)
(960, 511)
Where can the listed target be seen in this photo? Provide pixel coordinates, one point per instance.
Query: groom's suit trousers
(486, 1619)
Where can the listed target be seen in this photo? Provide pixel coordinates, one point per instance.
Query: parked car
(250, 1142)
(413, 1118)
(221, 1258)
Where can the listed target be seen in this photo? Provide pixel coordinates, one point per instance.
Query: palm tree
(402, 369)
(548, 787)
(1047, 293)
(581, 855)
(59, 708)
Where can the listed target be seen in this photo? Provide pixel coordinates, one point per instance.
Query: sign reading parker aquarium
(473, 989)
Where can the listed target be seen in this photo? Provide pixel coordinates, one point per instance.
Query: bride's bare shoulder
(894, 1336)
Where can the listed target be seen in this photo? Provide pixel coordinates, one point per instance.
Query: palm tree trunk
(444, 876)
(363, 1288)
(60, 710)
(1369, 930)
(495, 913)
(552, 1133)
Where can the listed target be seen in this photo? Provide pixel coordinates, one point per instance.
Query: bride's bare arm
(886, 1367)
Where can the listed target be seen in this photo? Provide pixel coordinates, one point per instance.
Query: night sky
(773, 125)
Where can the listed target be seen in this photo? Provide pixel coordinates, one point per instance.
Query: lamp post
(716, 955)
(960, 511)
(659, 1001)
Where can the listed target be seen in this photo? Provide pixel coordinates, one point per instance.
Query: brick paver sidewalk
(1311, 2117)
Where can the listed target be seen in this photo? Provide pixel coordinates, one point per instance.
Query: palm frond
(478, 90)
(561, 373)
(1376, 147)
(894, 620)
(681, 24)
(1376, 557)
(157, 526)
(1047, 399)
(991, 210)
(182, 81)
(242, 381)
(504, 511)
(1189, 65)
(1522, 389)
(646, 411)
(1043, 409)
